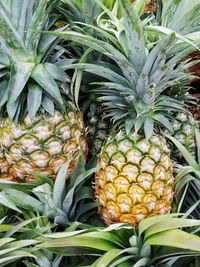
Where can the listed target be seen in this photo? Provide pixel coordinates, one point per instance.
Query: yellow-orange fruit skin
(135, 179)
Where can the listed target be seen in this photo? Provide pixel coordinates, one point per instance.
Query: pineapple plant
(40, 126)
(135, 179)
(97, 127)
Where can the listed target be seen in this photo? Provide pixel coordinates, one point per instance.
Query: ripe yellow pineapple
(135, 179)
(40, 127)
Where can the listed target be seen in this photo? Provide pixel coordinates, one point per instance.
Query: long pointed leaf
(34, 99)
(174, 238)
(171, 223)
(44, 79)
(60, 184)
(134, 35)
(22, 73)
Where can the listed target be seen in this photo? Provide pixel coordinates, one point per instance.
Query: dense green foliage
(108, 53)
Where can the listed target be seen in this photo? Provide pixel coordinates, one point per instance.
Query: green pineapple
(187, 177)
(96, 123)
(183, 123)
(40, 126)
(98, 129)
(184, 126)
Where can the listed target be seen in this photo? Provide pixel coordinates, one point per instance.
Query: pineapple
(195, 109)
(184, 126)
(135, 179)
(40, 128)
(183, 123)
(96, 123)
(98, 129)
(41, 144)
(135, 176)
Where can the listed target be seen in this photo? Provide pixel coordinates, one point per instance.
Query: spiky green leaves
(16, 243)
(181, 16)
(140, 103)
(45, 80)
(19, 77)
(134, 95)
(134, 35)
(121, 244)
(24, 54)
(45, 86)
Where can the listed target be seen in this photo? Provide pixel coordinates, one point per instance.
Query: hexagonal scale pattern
(41, 145)
(135, 179)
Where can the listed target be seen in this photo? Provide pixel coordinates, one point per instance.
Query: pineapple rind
(41, 145)
(135, 179)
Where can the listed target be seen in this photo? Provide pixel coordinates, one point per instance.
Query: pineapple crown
(32, 69)
(139, 76)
